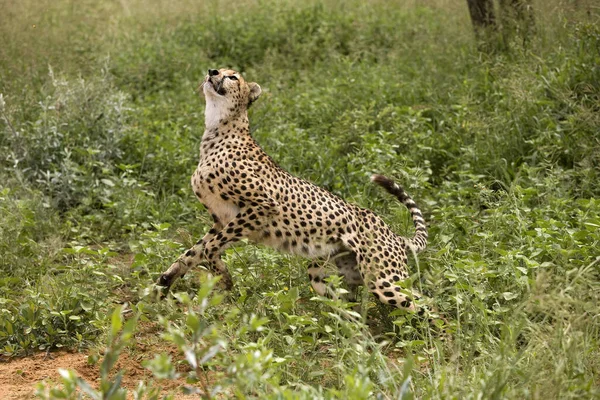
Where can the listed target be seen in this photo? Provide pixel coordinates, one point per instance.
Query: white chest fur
(213, 113)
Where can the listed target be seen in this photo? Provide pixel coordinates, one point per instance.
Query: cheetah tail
(419, 241)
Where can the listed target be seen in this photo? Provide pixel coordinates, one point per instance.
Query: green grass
(100, 126)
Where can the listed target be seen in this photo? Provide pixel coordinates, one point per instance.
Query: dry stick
(9, 124)
(201, 372)
(2, 104)
(11, 127)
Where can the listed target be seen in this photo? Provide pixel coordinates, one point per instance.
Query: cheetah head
(226, 89)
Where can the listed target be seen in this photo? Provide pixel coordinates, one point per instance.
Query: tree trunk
(515, 16)
(482, 15)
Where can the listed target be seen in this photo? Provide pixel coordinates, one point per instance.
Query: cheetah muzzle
(249, 196)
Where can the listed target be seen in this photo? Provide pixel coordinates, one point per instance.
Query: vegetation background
(100, 125)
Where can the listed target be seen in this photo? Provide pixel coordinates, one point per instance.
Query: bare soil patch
(19, 377)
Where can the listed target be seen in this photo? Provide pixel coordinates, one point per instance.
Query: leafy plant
(500, 151)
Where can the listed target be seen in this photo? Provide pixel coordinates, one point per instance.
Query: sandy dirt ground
(19, 377)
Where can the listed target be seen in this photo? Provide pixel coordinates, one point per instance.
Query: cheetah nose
(213, 72)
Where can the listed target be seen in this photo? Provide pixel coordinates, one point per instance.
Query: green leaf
(405, 393)
(116, 384)
(210, 353)
(190, 356)
(129, 327)
(9, 328)
(116, 321)
(107, 182)
(509, 295)
(87, 389)
(193, 322)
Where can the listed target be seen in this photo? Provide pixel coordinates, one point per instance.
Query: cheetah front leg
(190, 259)
(255, 207)
(247, 222)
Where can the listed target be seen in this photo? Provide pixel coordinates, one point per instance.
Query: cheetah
(249, 196)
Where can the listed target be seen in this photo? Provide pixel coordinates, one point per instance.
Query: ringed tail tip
(378, 178)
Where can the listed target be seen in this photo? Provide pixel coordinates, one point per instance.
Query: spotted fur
(250, 196)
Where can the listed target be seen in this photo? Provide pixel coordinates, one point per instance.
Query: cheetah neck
(232, 127)
(213, 115)
(219, 113)
(223, 128)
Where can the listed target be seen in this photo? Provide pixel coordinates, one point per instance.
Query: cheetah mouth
(217, 87)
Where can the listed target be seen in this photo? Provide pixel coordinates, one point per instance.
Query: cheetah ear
(255, 92)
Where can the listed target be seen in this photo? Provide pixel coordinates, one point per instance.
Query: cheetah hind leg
(385, 289)
(346, 264)
(347, 267)
(317, 276)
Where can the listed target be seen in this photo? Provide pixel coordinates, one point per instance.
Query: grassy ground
(100, 127)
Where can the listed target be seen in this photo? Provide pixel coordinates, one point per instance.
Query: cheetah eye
(233, 77)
